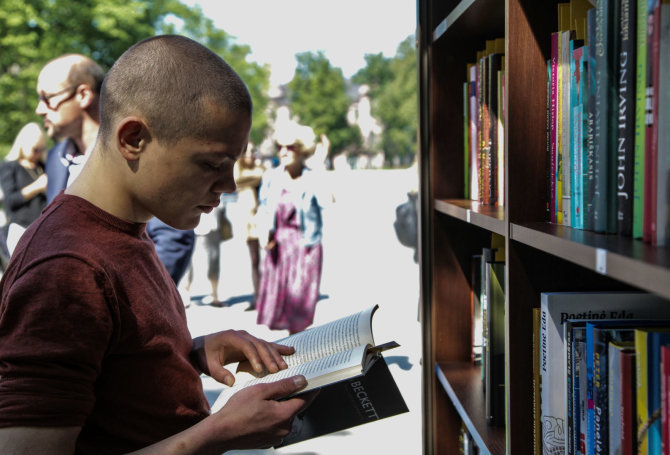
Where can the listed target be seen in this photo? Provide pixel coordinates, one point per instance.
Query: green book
(640, 86)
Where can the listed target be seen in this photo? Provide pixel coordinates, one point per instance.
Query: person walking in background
(248, 174)
(290, 226)
(24, 182)
(209, 233)
(69, 94)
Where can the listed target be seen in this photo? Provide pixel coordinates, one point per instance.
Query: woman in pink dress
(290, 221)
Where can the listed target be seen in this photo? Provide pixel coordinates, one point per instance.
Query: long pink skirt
(290, 276)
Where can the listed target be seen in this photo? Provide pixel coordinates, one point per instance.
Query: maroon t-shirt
(93, 333)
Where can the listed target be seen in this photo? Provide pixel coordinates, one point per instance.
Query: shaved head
(173, 83)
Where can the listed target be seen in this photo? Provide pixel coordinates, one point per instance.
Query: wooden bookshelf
(539, 256)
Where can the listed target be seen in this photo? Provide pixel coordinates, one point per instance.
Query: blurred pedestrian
(248, 174)
(24, 182)
(69, 104)
(290, 216)
(208, 234)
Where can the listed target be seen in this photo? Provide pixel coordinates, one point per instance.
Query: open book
(341, 359)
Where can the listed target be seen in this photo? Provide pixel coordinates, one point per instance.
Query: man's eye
(213, 166)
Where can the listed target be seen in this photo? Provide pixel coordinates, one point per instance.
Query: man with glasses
(69, 90)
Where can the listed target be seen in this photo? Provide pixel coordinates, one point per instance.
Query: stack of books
(483, 102)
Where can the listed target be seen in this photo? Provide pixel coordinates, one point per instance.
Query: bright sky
(345, 30)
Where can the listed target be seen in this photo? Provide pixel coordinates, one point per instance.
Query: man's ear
(132, 137)
(85, 95)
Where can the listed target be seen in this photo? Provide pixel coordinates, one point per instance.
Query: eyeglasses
(46, 99)
(289, 147)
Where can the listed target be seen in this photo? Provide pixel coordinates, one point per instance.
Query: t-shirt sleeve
(56, 323)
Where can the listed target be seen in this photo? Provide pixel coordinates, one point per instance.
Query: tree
(34, 31)
(318, 97)
(394, 94)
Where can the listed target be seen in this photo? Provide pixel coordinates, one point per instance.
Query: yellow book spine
(641, 388)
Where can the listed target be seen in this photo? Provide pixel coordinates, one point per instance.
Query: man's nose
(226, 182)
(40, 109)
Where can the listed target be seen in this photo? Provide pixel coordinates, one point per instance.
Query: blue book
(575, 347)
(577, 87)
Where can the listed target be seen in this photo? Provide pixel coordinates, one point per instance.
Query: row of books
(608, 112)
(601, 373)
(483, 131)
(488, 331)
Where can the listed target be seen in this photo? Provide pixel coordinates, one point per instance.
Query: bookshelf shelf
(462, 382)
(630, 261)
(539, 256)
(485, 216)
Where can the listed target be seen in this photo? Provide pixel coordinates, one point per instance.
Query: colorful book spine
(500, 136)
(590, 172)
(474, 155)
(651, 139)
(665, 398)
(625, 120)
(466, 140)
(566, 124)
(604, 77)
(577, 149)
(648, 342)
(641, 381)
(615, 392)
(640, 86)
(550, 189)
(556, 188)
(628, 423)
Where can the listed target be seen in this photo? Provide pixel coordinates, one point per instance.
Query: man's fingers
(222, 375)
(285, 387)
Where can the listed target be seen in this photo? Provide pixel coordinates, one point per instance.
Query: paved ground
(363, 265)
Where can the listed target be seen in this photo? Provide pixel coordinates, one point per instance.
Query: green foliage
(318, 97)
(34, 31)
(394, 95)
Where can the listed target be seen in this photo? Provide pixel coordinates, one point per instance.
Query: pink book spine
(665, 399)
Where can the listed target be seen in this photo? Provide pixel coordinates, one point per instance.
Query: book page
(318, 372)
(335, 336)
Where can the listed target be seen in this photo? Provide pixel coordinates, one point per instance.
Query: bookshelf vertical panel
(521, 297)
(446, 118)
(447, 423)
(528, 32)
(451, 336)
(451, 291)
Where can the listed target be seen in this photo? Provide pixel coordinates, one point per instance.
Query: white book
(558, 307)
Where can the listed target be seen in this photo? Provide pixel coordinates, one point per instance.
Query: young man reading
(95, 354)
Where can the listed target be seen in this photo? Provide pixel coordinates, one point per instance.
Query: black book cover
(605, 202)
(625, 117)
(495, 379)
(349, 403)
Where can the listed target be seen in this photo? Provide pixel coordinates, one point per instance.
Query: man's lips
(207, 208)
